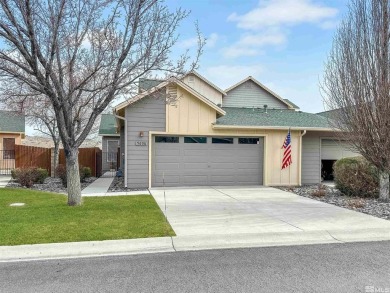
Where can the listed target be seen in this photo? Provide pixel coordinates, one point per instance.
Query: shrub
(356, 177)
(61, 173)
(357, 203)
(14, 173)
(26, 176)
(85, 172)
(41, 175)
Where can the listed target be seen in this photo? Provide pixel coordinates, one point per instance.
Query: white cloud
(212, 40)
(269, 22)
(251, 44)
(193, 42)
(225, 76)
(283, 12)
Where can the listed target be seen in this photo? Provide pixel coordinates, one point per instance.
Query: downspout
(300, 157)
(125, 164)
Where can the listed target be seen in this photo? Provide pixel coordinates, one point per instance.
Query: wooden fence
(29, 156)
(88, 157)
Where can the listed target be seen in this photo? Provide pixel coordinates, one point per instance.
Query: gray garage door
(207, 161)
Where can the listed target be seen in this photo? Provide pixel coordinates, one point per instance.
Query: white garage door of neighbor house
(335, 150)
(207, 161)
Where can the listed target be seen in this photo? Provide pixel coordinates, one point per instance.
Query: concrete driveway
(253, 214)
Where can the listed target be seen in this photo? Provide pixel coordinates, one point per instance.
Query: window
(9, 148)
(195, 139)
(248, 140)
(223, 140)
(166, 139)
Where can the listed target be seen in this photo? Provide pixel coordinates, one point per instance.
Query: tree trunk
(56, 157)
(384, 186)
(73, 177)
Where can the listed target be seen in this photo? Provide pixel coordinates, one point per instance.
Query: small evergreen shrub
(26, 176)
(356, 177)
(85, 172)
(41, 175)
(61, 173)
(14, 173)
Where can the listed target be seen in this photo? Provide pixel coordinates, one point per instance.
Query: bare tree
(83, 54)
(356, 82)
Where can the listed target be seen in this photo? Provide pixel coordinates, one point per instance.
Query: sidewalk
(4, 179)
(184, 243)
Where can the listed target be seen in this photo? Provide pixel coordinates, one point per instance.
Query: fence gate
(7, 161)
(109, 164)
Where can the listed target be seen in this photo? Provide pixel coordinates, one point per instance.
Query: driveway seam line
(257, 209)
(334, 237)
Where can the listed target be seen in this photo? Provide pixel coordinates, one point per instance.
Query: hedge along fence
(88, 157)
(356, 177)
(29, 156)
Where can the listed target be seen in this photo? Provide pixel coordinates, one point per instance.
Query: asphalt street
(353, 267)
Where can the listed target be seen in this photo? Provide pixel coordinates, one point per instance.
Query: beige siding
(248, 95)
(203, 88)
(192, 116)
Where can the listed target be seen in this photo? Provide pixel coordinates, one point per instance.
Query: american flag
(287, 151)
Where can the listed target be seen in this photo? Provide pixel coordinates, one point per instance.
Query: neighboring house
(213, 137)
(110, 143)
(12, 131)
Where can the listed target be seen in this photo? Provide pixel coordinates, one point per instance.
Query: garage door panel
(195, 166)
(221, 165)
(195, 180)
(167, 167)
(198, 164)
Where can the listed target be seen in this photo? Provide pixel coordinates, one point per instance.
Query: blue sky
(282, 43)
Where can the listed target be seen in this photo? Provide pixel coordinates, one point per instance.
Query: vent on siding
(172, 91)
(191, 78)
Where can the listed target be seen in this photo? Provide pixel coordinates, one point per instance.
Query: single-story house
(12, 131)
(189, 132)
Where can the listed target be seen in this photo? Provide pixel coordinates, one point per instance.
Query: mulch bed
(51, 184)
(331, 195)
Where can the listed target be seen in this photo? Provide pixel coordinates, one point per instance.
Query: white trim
(117, 134)
(263, 135)
(263, 87)
(215, 126)
(164, 84)
(207, 81)
(125, 163)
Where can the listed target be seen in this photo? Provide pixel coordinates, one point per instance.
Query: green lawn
(46, 218)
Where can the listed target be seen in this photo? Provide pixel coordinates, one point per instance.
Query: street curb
(185, 243)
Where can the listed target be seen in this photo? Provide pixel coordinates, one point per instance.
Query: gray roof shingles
(12, 122)
(273, 117)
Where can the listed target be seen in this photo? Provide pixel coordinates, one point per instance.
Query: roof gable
(164, 84)
(284, 103)
(12, 122)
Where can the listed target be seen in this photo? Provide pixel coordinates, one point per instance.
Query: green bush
(41, 175)
(14, 173)
(356, 177)
(30, 175)
(61, 173)
(85, 172)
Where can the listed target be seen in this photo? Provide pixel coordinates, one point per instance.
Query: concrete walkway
(4, 179)
(101, 185)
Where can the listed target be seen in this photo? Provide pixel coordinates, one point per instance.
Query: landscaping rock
(332, 195)
(118, 185)
(51, 184)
